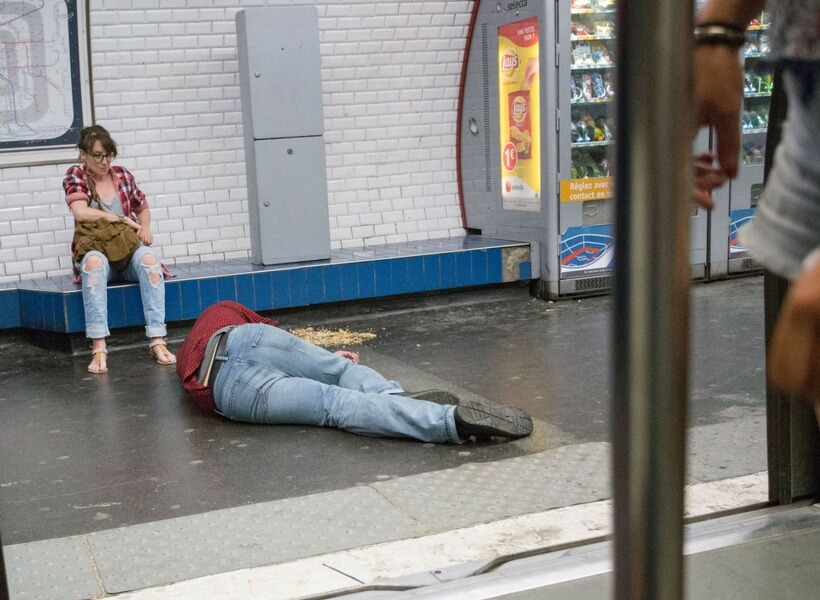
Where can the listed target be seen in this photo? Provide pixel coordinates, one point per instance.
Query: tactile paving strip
(50, 570)
(157, 553)
(478, 493)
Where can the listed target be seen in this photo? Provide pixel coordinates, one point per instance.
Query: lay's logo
(519, 109)
(509, 62)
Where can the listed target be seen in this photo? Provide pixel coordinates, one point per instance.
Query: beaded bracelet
(724, 34)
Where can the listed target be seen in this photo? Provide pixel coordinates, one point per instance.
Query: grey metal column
(650, 344)
(280, 81)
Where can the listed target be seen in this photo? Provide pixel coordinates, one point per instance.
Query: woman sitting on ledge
(119, 200)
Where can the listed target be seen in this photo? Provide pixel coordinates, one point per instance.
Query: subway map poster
(40, 96)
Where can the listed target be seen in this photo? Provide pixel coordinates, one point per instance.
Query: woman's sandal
(97, 360)
(166, 359)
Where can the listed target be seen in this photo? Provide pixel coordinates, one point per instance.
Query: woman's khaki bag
(117, 240)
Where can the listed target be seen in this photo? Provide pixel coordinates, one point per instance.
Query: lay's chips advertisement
(519, 115)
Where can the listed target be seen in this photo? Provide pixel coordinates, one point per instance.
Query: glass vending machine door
(745, 191)
(585, 192)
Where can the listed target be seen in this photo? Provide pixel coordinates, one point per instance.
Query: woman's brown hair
(96, 133)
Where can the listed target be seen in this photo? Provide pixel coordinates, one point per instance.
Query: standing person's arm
(735, 12)
(794, 355)
(718, 75)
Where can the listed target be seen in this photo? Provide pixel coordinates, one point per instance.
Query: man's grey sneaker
(483, 420)
(437, 396)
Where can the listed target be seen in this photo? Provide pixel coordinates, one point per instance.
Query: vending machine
(537, 134)
(735, 203)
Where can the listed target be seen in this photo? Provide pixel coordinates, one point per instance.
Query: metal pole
(654, 133)
(4, 585)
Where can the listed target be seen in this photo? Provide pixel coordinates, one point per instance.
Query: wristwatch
(122, 219)
(720, 34)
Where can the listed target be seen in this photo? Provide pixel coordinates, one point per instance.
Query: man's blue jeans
(271, 376)
(95, 293)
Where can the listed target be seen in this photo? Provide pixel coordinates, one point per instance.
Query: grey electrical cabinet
(283, 124)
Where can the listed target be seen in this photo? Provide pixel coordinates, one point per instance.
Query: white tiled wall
(166, 84)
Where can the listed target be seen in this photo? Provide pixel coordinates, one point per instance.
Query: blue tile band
(56, 304)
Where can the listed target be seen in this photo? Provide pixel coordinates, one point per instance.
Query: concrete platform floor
(82, 454)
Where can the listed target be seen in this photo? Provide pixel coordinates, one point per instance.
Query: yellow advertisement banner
(519, 115)
(580, 190)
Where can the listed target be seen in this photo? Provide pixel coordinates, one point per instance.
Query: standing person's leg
(95, 273)
(145, 269)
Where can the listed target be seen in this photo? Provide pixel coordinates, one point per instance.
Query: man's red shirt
(192, 351)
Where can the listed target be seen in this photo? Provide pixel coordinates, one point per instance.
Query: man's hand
(351, 356)
(794, 354)
(718, 100)
(707, 178)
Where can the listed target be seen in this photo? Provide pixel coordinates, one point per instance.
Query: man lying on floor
(238, 364)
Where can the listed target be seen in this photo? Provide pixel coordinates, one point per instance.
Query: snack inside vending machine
(537, 129)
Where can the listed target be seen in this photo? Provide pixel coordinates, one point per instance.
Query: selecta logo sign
(509, 63)
(510, 186)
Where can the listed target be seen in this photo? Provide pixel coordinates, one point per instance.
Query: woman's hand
(143, 227)
(145, 235)
(351, 356)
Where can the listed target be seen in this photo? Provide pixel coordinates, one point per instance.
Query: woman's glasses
(99, 157)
